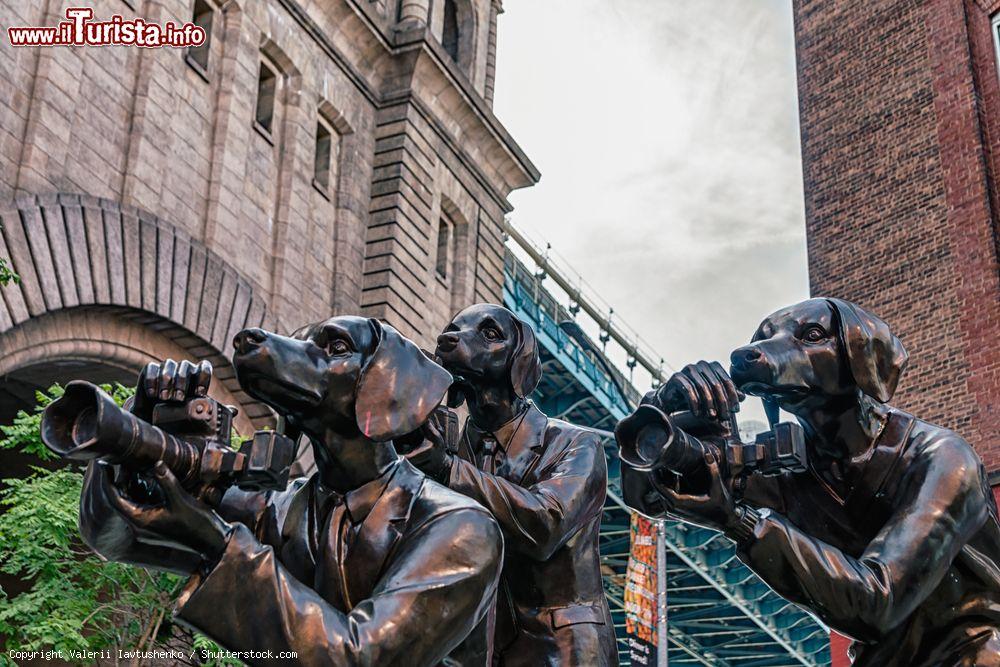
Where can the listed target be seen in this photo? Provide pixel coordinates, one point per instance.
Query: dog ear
(399, 387)
(874, 355)
(525, 366)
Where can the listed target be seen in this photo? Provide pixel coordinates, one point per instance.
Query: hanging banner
(642, 592)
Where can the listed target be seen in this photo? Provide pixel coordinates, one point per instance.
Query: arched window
(449, 34)
(443, 246)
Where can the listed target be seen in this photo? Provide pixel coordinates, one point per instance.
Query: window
(449, 34)
(444, 243)
(996, 36)
(203, 15)
(321, 164)
(267, 84)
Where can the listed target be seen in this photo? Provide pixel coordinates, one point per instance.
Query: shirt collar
(361, 500)
(504, 433)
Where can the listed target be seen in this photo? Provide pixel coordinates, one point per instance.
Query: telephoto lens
(85, 423)
(649, 440)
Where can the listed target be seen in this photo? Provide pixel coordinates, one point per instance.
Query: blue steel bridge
(718, 611)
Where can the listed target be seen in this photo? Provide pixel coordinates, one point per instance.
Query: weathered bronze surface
(367, 562)
(545, 482)
(889, 536)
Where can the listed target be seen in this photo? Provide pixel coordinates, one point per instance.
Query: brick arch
(112, 338)
(77, 253)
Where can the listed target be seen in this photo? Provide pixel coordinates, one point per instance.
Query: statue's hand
(169, 381)
(715, 510)
(181, 521)
(704, 388)
(432, 456)
(112, 535)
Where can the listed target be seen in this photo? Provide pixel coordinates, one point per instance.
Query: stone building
(314, 157)
(900, 115)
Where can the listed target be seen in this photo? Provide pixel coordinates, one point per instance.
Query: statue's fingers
(704, 390)
(202, 378)
(689, 391)
(168, 482)
(683, 501)
(148, 380)
(732, 393)
(168, 377)
(131, 510)
(182, 385)
(719, 395)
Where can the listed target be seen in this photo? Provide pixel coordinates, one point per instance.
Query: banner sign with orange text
(642, 593)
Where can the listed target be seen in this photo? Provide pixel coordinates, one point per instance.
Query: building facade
(312, 158)
(900, 118)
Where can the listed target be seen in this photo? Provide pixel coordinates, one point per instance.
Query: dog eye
(337, 347)
(813, 334)
(490, 333)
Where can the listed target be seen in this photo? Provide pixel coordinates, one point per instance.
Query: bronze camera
(650, 440)
(193, 438)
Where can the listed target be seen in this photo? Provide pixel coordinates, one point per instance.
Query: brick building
(312, 158)
(900, 117)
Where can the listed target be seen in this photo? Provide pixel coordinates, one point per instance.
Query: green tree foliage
(6, 275)
(76, 601)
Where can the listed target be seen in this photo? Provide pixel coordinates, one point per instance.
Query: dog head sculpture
(347, 375)
(808, 353)
(486, 344)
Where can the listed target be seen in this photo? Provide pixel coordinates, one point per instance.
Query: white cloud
(667, 136)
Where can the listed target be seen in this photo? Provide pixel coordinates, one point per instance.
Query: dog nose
(447, 342)
(248, 339)
(746, 356)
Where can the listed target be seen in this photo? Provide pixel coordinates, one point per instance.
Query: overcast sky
(666, 132)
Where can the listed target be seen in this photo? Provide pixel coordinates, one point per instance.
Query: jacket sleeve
(539, 519)
(112, 536)
(941, 504)
(438, 586)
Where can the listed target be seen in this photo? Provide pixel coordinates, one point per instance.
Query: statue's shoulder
(939, 447)
(435, 499)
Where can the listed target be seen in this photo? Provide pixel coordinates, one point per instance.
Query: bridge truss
(718, 611)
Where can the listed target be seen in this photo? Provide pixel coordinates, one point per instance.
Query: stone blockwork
(173, 153)
(900, 115)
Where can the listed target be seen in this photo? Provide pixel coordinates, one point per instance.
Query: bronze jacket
(547, 493)
(907, 563)
(418, 577)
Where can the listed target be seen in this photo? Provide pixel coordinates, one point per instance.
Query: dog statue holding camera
(881, 524)
(543, 479)
(366, 562)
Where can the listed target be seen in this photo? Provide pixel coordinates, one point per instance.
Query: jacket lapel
(295, 518)
(365, 560)
(886, 451)
(526, 445)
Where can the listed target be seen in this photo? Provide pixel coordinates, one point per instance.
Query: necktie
(330, 566)
(490, 450)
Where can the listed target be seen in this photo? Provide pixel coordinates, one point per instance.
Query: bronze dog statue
(545, 482)
(366, 562)
(891, 534)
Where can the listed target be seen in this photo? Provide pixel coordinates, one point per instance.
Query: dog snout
(447, 342)
(746, 357)
(249, 339)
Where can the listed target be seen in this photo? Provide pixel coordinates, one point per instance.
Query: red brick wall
(900, 114)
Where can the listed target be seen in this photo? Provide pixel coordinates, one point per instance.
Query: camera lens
(85, 427)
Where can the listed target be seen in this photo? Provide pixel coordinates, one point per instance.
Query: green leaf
(75, 600)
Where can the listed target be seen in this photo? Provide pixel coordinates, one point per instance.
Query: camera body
(651, 441)
(782, 449)
(193, 438)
